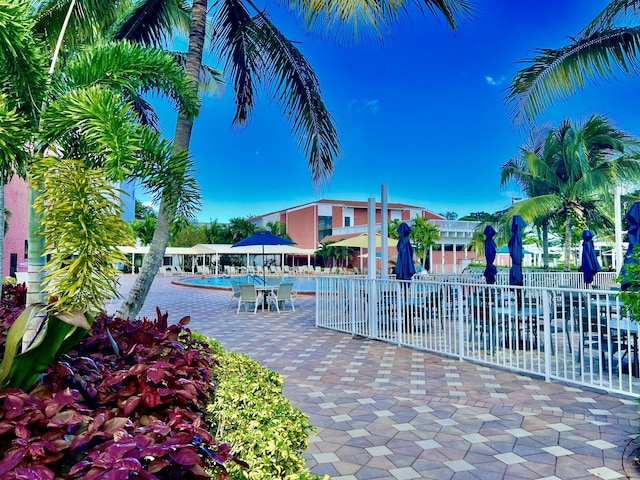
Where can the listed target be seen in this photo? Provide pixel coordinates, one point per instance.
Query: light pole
(515, 199)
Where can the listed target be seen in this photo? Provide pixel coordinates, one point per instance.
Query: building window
(324, 227)
(347, 221)
(26, 249)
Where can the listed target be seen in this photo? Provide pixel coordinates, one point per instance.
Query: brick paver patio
(388, 412)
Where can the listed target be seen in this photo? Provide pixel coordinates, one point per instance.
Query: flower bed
(137, 409)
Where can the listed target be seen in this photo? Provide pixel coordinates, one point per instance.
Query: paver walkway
(388, 412)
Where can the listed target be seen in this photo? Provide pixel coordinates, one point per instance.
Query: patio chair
(235, 294)
(249, 295)
(280, 296)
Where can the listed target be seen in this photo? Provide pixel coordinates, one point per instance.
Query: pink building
(324, 220)
(16, 194)
(312, 223)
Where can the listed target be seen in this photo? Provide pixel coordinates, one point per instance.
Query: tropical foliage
(569, 173)
(601, 49)
(255, 54)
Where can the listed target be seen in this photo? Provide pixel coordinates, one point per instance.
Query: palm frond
(556, 74)
(167, 174)
(210, 78)
(152, 22)
(14, 136)
(616, 11)
(88, 18)
(132, 68)
(22, 59)
(293, 83)
(354, 20)
(106, 123)
(229, 42)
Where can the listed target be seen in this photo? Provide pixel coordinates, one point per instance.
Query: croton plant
(125, 402)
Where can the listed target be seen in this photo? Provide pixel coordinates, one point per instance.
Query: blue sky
(423, 113)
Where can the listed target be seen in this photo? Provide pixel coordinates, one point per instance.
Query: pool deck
(388, 412)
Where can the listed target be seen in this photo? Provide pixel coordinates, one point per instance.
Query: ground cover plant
(130, 400)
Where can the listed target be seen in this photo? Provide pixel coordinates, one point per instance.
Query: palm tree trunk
(545, 245)
(35, 259)
(181, 140)
(567, 245)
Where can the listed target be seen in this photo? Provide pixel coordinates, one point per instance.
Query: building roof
(347, 203)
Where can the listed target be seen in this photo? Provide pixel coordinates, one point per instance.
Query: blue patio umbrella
(404, 263)
(263, 237)
(491, 270)
(516, 250)
(633, 216)
(589, 265)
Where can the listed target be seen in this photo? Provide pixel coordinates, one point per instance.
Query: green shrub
(251, 412)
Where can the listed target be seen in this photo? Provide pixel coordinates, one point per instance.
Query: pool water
(305, 285)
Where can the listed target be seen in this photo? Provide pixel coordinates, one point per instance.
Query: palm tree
(571, 176)
(596, 53)
(424, 235)
(254, 50)
(517, 169)
(240, 228)
(87, 114)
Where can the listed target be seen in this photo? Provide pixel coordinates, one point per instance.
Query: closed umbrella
(516, 251)
(490, 270)
(589, 265)
(404, 263)
(633, 216)
(263, 237)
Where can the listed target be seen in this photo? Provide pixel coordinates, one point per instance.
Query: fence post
(461, 322)
(546, 306)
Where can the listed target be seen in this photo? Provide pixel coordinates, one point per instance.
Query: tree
(572, 175)
(602, 48)
(449, 215)
(217, 233)
(240, 228)
(278, 228)
(476, 217)
(254, 50)
(83, 112)
(516, 169)
(142, 211)
(424, 235)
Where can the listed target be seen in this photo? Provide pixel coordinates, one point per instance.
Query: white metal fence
(581, 336)
(603, 280)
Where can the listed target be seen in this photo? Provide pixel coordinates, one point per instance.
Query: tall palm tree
(572, 175)
(254, 51)
(516, 169)
(600, 50)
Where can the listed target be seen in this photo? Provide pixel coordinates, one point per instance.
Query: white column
(617, 257)
(384, 227)
(455, 257)
(371, 229)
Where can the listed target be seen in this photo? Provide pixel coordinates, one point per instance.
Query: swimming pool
(301, 284)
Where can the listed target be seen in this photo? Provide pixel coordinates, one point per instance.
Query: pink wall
(15, 197)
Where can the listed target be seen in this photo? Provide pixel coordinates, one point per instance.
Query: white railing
(603, 280)
(571, 335)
